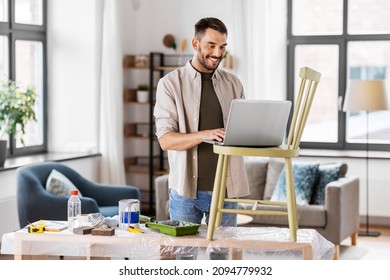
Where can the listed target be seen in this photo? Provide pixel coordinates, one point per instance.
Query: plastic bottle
(74, 209)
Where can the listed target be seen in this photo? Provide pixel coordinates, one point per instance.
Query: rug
(352, 252)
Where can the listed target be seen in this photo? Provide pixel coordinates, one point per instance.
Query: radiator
(378, 191)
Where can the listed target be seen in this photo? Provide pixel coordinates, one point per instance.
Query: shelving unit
(155, 163)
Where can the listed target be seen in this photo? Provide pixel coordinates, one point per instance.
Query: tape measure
(36, 229)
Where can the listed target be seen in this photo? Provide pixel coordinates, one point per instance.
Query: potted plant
(17, 108)
(143, 93)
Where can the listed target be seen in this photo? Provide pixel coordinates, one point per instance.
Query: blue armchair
(35, 203)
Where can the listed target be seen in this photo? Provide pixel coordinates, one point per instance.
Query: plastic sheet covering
(229, 243)
(255, 243)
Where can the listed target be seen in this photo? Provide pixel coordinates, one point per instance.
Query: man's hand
(214, 134)
(184, 141)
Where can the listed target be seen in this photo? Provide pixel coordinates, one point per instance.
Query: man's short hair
(209, 22)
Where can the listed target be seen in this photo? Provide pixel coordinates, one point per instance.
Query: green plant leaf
(17, 107)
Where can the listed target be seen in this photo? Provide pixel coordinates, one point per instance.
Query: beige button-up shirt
(177, 109)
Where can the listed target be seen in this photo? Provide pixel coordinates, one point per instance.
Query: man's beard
(203, 62)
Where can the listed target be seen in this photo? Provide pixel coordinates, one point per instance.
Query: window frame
(15, 31)
(342, 41)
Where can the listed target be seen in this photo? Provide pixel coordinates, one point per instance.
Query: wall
(9, 221)
(146, 26)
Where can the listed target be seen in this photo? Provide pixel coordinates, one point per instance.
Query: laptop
(256, 123)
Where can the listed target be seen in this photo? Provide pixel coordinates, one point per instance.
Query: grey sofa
(336, 219)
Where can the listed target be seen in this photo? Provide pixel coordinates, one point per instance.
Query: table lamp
(366, 95)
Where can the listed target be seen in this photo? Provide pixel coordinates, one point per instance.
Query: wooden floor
(372, 248)
(367, 248)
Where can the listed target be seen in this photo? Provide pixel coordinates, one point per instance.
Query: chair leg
(214, 198)
(222, 190)
(291, 200)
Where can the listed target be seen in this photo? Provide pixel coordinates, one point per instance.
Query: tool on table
(135, 229)
(36, 228)
(174, 228)
(145, 219)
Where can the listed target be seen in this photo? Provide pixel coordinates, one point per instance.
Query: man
(192, 105)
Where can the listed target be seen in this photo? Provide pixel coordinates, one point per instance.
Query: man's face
(210, 50)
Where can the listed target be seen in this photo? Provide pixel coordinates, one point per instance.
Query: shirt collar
(194, 73)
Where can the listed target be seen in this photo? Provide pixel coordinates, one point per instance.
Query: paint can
(128, 213)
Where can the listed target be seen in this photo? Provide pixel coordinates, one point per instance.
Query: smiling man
(192, 105)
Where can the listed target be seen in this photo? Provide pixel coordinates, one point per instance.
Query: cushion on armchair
(58, 184)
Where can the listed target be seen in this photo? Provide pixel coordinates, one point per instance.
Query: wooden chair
(309, 81)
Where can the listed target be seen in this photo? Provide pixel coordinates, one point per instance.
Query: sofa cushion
(305, 176)
(327, 173)
(273, 171)
(256, 171)
(343, 169)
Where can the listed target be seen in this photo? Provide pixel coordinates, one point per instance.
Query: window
(23, 59)
(342, 39)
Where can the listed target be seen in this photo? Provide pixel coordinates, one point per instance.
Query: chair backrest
(309, 81)
(33, 201)
(41, 171)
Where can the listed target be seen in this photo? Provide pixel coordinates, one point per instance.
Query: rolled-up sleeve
(165, 112)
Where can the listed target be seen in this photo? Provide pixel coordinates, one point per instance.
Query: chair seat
(280, 151)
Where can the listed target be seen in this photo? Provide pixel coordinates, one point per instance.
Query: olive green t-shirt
(210, 118)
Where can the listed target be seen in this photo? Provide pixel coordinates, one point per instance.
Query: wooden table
(148, 245)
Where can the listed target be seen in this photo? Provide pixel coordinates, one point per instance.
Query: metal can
(128, 213)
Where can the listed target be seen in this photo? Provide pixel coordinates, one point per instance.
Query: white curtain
(259, 35)
(111, 101)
